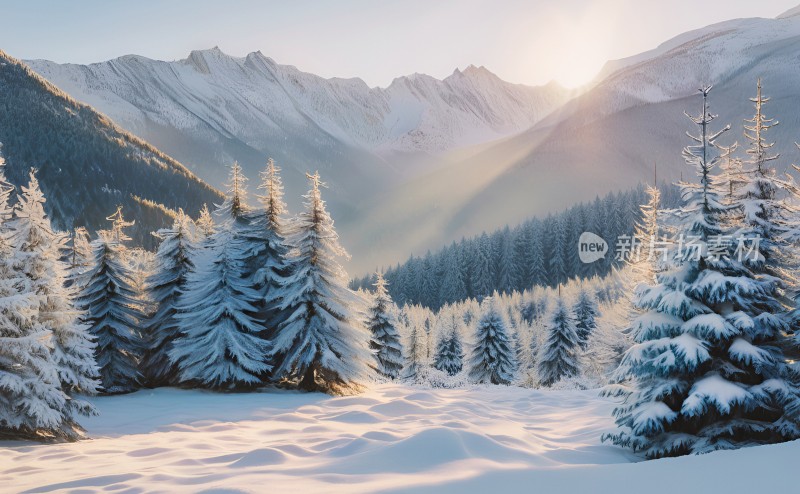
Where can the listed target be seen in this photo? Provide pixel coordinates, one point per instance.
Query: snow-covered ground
(391, 438)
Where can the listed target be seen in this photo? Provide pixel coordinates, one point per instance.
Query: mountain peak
(471, 72)
(199, 58)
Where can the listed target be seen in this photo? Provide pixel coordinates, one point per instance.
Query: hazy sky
(526, 41)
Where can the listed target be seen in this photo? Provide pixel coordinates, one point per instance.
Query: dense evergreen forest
(539, 252)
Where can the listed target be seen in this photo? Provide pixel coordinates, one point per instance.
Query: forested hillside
(539, 252)
(87, 165)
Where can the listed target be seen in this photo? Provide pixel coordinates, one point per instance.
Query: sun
(573, 49)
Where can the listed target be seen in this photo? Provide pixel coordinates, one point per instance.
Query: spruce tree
(449, 355)
(558, 358)
(586, 312)
(111, 310)
(706, 371)
(321, 342)
(481, 273)
(538, 269)
(382, 324)
(453, 288)
(32, 403)
(732, 169)
(266, 248)
(558, 258)
(492, 359)
(763, 215)
(220, 345)
(79, 256)
(414, 365)
(173, 263)
(522, 262)
(39, 253)
(205, 224)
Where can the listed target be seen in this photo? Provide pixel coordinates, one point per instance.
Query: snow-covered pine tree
(173, 263)
(32, 403)
(428, 284)
(220, 346)
(38, 254)
(558, 357)
(505, 270)
(449, 355)
(585, 311)
(492, 359)
(452, 288)
(111, 309)
(416, 363)
(731, 167)
(538, 270)
(763, 214)
(558, 257)
(706, 371)
(321, 343)
(205, 225)
(382, 324)
(79, 256)
(235, 206)
(481, 274)
(522, 261)
(266, 249)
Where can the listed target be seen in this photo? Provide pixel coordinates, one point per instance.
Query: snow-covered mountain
(259, 102)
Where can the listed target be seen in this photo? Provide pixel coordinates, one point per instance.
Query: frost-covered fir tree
(585, 311)
(235, 206)
(32, 403)
(414, 367)
(205, 224)
(763, 215)
(220, 346)
(452, 288)
(449, 355)
(321, 342)
(264, 241)
(492, 359)
(558, 358)
(38, 254)
(706, 371)
(481, 273)
(111, 310)
(415, 355)
(732, 168)
(382, 324)
(79, 256)
(173, 263)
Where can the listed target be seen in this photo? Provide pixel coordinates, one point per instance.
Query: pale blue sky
(525, 41)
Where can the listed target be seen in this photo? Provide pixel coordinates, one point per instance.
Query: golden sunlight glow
(577, 46)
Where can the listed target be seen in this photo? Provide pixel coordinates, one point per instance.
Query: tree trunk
(309, 383)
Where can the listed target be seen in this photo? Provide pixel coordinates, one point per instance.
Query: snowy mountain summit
(253, 98)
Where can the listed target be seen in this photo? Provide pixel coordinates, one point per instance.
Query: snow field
(391, 438)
